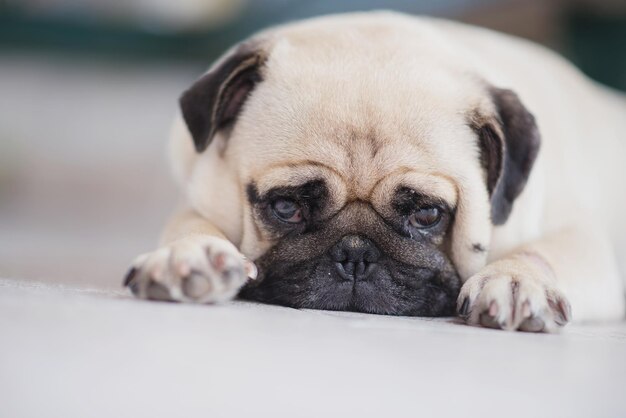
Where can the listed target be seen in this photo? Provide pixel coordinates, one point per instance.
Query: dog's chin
(392, 289)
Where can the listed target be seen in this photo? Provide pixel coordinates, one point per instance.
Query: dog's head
(359, 172)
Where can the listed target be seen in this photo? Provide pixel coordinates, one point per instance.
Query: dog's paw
(200, 270)
(514, 294)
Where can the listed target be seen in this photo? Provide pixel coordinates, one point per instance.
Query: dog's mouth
(385, 287)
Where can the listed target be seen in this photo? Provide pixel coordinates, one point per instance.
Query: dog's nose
(355, 257)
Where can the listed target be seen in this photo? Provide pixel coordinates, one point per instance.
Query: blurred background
(88, 89)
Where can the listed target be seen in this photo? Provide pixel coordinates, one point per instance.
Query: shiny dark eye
(287, 211)
(425, 217)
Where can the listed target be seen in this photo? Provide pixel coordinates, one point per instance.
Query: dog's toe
(196, 285)
(513, 301)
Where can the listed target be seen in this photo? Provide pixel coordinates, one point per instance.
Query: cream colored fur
(410, 82)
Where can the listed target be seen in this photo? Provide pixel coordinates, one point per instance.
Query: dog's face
(384, 253)
(366, 181)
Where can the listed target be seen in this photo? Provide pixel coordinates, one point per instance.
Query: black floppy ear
(214, 101)
(509, 146)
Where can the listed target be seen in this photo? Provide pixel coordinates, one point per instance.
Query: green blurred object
(597, 45)
(595, 42)
(108, 40)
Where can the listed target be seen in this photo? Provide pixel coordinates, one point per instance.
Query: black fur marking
(406, 201)
(312, 197)
(507, 158)
(478, 248)
(214, 101)
(491, 147)
(412, 276)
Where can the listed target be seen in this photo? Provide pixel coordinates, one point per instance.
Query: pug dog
(389, 164)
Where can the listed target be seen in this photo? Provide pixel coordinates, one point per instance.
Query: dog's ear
(214, 101)
(509, 144)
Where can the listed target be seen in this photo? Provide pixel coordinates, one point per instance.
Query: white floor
(79, 353)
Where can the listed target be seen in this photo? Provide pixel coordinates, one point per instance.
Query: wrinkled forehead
(359, 156)
(344, 187)
(356, 164)
(362, 126)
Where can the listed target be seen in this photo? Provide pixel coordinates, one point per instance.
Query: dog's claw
(562, 309)
(251, 270)
(130, 276)
(464, 309)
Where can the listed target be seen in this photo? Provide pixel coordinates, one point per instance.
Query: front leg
(531, 289)
(196, 263)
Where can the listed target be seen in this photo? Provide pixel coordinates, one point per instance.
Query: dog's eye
(425, 217)
(287, 211)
